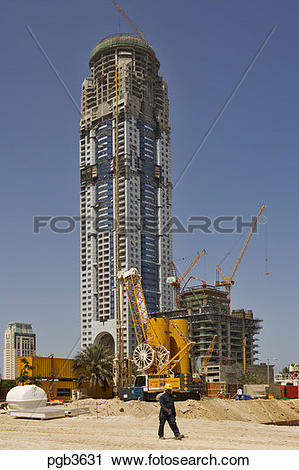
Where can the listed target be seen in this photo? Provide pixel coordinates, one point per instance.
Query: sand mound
(259, 411)
(208, 424)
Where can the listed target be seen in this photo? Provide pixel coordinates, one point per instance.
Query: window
(63, 392)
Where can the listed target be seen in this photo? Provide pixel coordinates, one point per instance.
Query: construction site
(161, 326)
(170, 327)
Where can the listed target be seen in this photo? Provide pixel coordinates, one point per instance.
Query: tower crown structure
(120, 40)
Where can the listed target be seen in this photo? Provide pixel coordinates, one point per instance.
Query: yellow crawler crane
(151, 356)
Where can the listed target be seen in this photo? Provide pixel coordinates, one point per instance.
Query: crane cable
(228, 253)
(266, 272)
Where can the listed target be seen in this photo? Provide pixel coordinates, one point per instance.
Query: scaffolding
(207, 311)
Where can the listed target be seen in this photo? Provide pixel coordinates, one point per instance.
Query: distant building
(19, 340)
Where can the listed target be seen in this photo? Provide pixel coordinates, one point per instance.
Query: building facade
(126, 201)
(19, 340)
(208, 313)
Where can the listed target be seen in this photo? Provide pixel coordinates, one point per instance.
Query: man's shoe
(161, 437)
(179, 437)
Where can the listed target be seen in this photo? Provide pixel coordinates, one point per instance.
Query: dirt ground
(113, 424)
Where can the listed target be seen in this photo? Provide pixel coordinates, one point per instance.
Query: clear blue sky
(250, 157)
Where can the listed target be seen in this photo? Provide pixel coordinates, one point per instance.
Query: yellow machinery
(227, 282)
(208, 355)
(163, 345)
(176, 281)
(153, 336)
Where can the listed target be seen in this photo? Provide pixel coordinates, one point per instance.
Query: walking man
(167, 413)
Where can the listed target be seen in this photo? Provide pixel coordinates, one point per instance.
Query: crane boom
(253, 226)
(140, 317)
(140, 35)
(196, 259)
(208, 354)
(176, 282)
(227, 282)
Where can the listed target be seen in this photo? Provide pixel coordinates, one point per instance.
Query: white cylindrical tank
(26, 397)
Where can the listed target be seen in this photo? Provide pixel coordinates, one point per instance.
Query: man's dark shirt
(167, 403)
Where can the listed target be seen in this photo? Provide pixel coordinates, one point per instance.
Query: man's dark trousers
(170, 418)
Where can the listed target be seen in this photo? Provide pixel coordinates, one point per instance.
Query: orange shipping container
(58, 390)
(63, 368)
(41, 366)
(62, 389)
(48, 367)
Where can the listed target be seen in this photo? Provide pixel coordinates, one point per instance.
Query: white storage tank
(26, 397)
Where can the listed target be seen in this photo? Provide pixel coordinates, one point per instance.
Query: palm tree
(94, 365)
(24, 372)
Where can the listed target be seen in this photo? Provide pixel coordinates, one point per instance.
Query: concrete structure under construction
(207, 310)
(125, 186)
(19, 340)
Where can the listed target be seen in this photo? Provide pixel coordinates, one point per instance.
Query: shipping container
(288, 391)
(58, 389)
(41, 366)
(49, 367)
(63, 368)
(62, 389)
(57, 374)
(87, 390)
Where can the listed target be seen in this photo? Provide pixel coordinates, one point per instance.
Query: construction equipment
(227, 282)
(203, 283)
(121, 369)
(151, 356)
(208, 355)
(176, 281)
(140, 35)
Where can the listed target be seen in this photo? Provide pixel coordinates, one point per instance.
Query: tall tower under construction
(125, 185)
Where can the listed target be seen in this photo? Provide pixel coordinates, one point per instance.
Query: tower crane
(176, 281)
(140, 35)
(227, 282)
